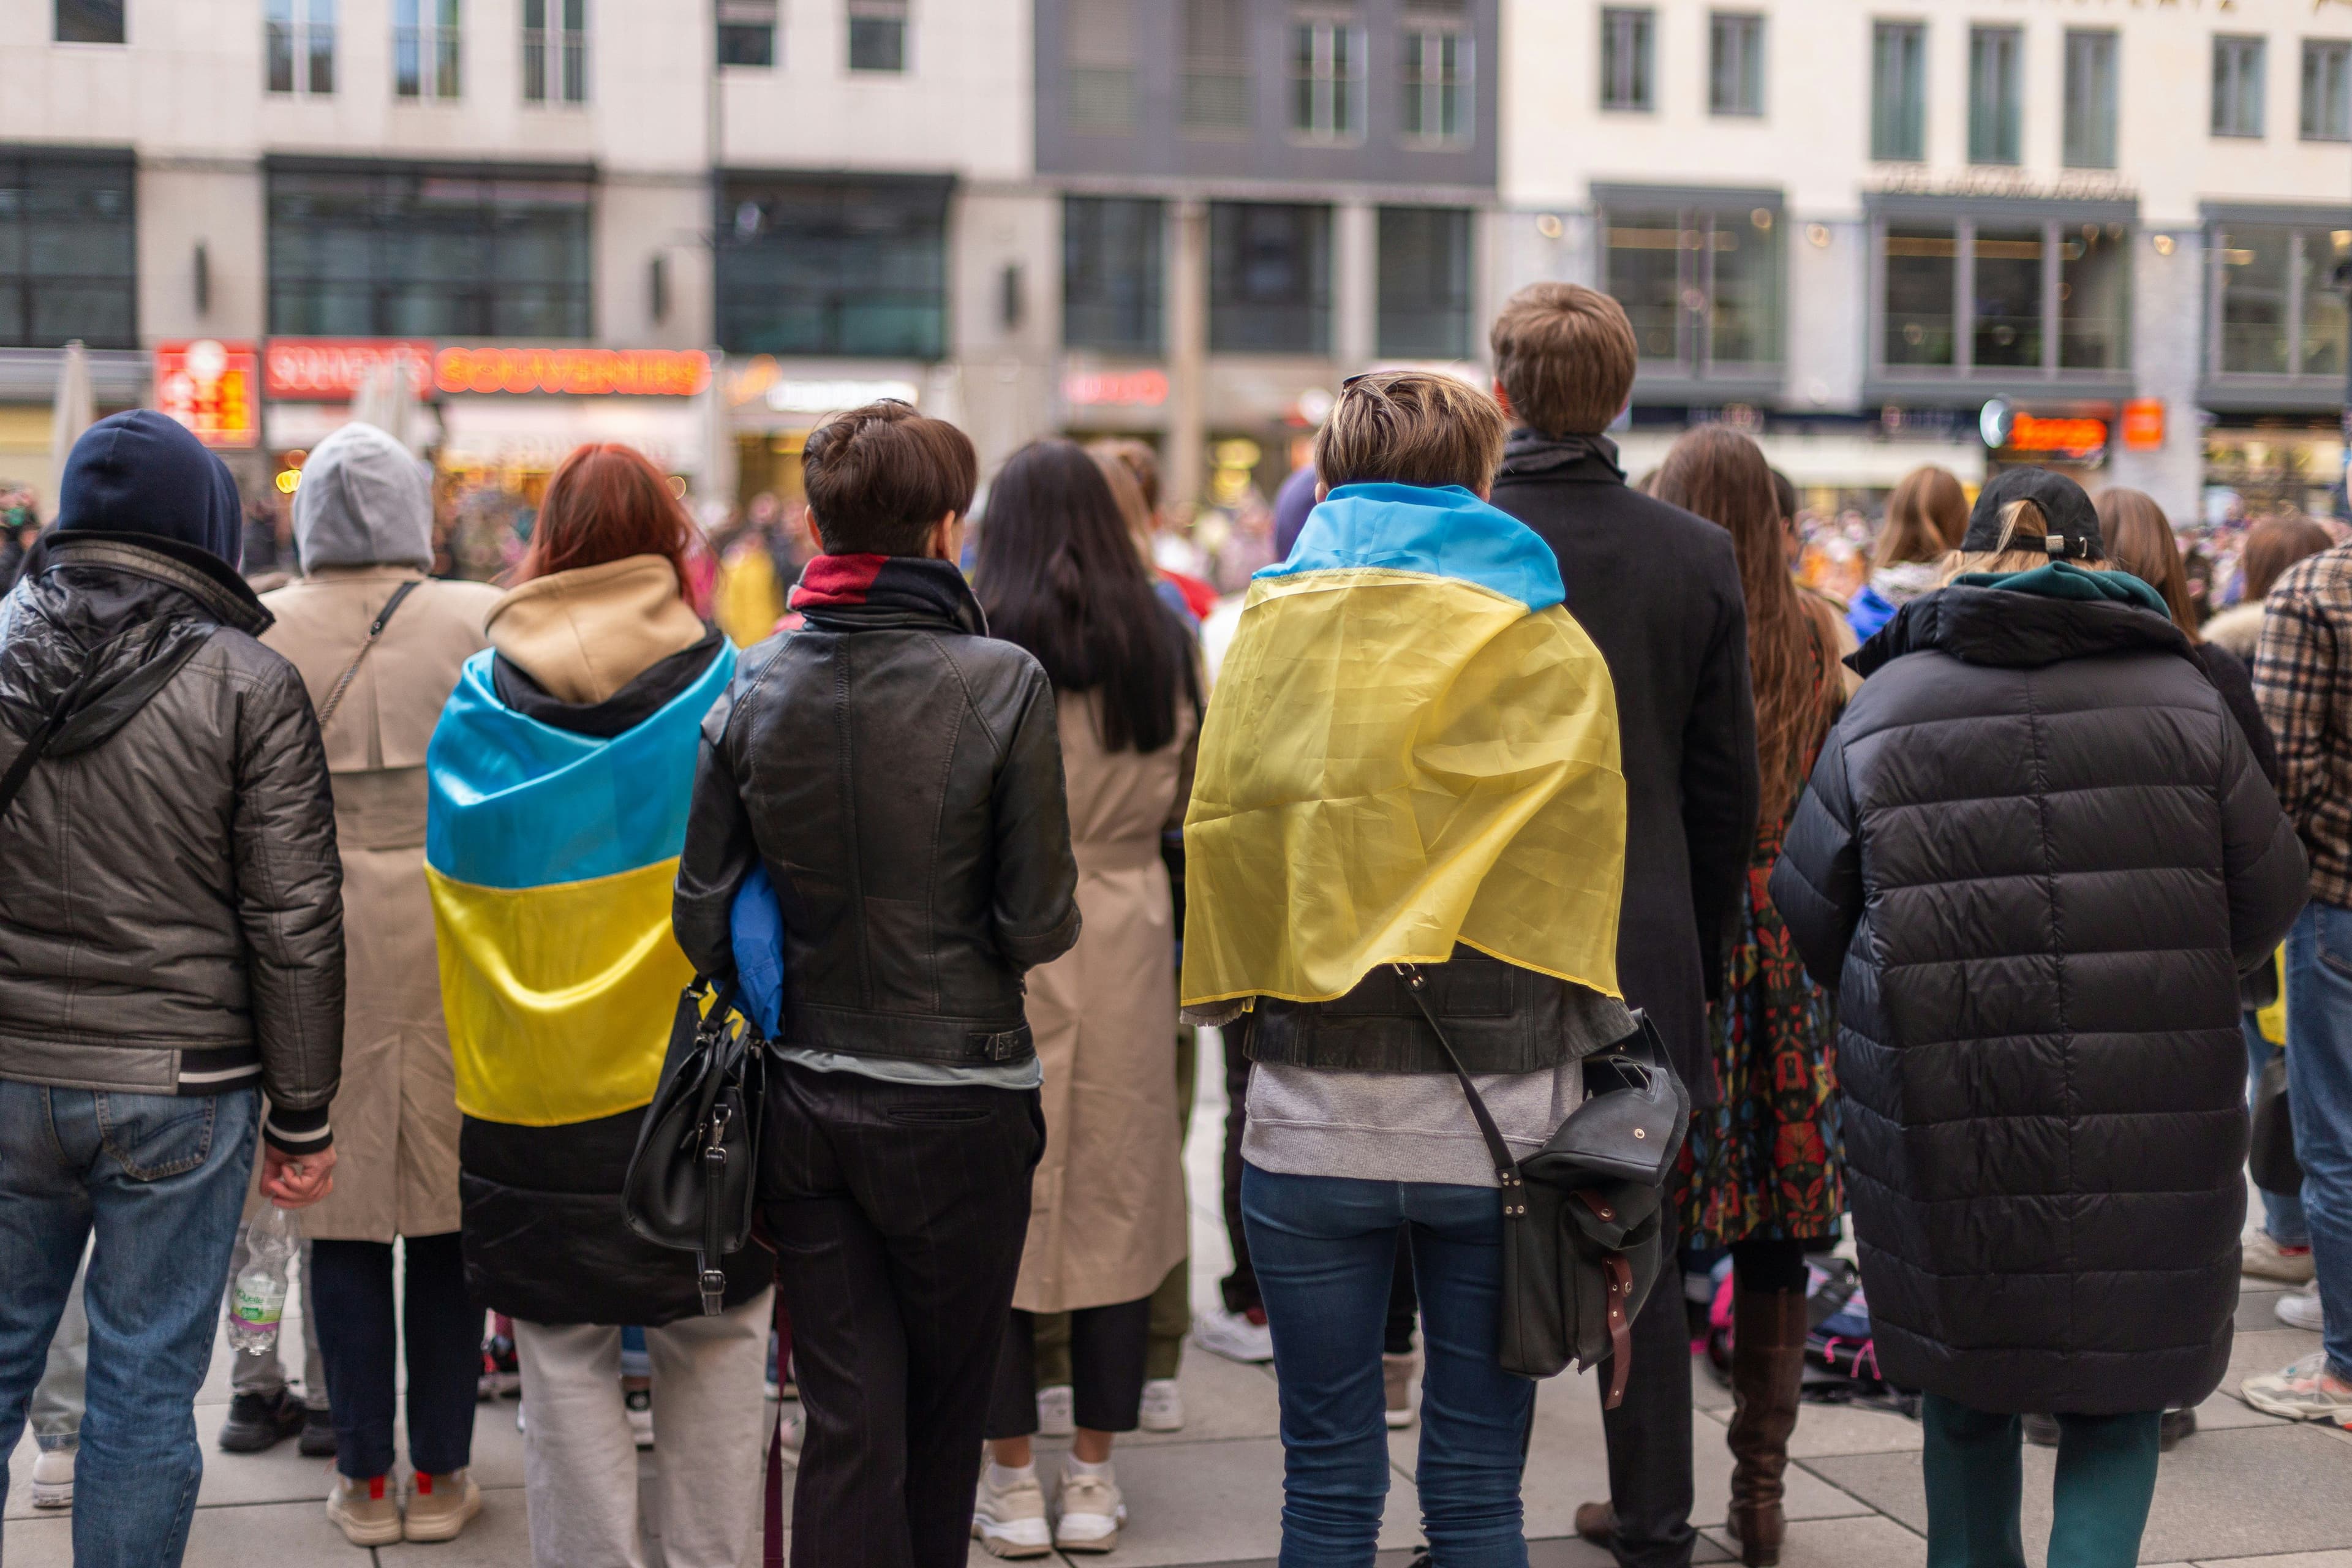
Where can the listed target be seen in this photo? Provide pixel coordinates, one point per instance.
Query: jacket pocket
(152, 1136)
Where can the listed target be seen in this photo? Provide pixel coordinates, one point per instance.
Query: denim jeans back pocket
(2331, 935)
(152, 1136)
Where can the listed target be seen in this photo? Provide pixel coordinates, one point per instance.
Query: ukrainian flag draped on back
(1411, 744)
(550, 856)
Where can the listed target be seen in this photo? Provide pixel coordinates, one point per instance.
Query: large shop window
(2009, 293)
(1269, 277)
(1700, 277)
(1111, 270)
(2278, 311)
(429, 250)
(68, 264)
(813, 265)
(1425, 288)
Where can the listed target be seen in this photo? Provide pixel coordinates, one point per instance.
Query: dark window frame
(1904, 100)
(1248, 315)
(2324, 58)
(2238, 115)
(1629, 59)
(102, 22)
(1751, 70)
(1434, 324)
(1696, 214)
(1996, 95)
(2093, 95)
(1103, 287)
(302, 40)
(878, 37)
(2305, 227)
(34, 181)
(1421, 101)
(1102, 88)
(845, 266)
(1326, 102)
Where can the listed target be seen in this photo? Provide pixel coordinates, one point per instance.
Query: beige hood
(584, 635)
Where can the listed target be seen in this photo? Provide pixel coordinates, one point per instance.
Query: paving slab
(1867, 1541)
(2292, 1560)
(499, 1537)
(1827, 1429)
(1223, 1399)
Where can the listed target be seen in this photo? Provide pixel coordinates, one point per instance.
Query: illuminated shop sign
(2009, 429)
(1115, 388)
(332, 370)
(793, 397)
(207, 386)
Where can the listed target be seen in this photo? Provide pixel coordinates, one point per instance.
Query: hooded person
(171, 955)
(2036, 855)
(380, 646)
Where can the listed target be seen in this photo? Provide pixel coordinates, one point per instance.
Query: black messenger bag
(693, 1182)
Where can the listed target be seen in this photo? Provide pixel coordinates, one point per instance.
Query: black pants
(1240, 1286)
(1107, 1345)
(350, 1288)
(898, 1213)
(1649, 1434)
(1769, 1265)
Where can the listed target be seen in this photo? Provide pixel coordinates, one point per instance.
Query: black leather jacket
(899, 774)
(171, 901)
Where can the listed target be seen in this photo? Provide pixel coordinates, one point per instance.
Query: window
(1424, 283)
(1995, 93)
(2238, 65)
(2328, 89)
(1216, 91)
(1628, 58)
(2004, 295)
(1099, 52)
(90, 21)
(1326, 81)
(2090, 132)
(747, 34)
(424, 250)
(1700, 283)
(2279, 311)
(1111, 271)
(877, 35)
(299, 44)
(1269, 278)
(1735, 64)
(427, 37)
(68, 250)
(1438, 72)
(1898, 92)
(554, 51)
(854, 267)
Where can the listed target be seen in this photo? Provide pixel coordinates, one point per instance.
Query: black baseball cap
(2074, 522)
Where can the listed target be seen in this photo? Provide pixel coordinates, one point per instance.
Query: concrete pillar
(1355, 284)
(1188, 356)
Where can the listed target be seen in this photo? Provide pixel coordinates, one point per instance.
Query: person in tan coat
(379, 645)
(1058, 576)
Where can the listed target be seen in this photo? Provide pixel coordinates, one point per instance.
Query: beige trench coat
(1107, 1218)
(396, 1118)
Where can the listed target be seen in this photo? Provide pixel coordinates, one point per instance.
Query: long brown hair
(1925, 517)
(606, 503)
(1792, 657)
(2139, 538)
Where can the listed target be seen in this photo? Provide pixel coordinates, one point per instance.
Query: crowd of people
(1960, 912)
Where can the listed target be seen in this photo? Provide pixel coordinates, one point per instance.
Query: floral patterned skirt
(1767, 1162)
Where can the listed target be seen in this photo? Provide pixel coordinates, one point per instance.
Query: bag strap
(384, 618)
(37, 742)
(1507, 1168)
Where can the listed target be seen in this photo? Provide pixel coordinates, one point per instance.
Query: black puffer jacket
(171, 901)
(2034, 859)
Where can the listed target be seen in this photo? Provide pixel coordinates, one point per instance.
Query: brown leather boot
(1597, 1523)
(1768, 1363)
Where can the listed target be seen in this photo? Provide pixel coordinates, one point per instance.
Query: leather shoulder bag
(1580, 1216)
(693, 1182)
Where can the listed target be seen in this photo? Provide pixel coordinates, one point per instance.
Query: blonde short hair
(1411, 428)
(1565, 356)
(2021, 547)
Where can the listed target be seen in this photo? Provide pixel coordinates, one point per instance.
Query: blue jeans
(161, 1180)
(1325, 1252)
(2319, 1093)
(2282, 1212)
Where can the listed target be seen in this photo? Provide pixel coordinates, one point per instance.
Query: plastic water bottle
(257, 1295)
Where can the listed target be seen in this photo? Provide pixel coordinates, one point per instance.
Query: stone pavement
(2246, 1491)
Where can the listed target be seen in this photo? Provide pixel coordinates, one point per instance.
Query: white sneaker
(640, 1404)
(1234, 1336)
(2304, 1391)
(1163, 1406)
(2265, 1260)
(1011, 1522)
(1089, 1511)
(53, 1473)
(2300, 1309)
(1396, 1388)
(1055, 1416)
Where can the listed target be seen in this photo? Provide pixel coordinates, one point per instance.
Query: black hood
(2008, 629)
(1532, 453)
(142, 473)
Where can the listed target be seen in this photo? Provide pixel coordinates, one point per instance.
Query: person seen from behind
(380, 646)
(561, 774)
(2035, 857)
(1762, 1171)
(2272, 546)
(1660, 592)
(1924, 519)
(1454, 803)
(896, 774)
(171, 957)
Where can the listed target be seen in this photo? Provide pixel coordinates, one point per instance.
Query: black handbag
(1581, 1234)
(2270, 1152)
(693, 1182)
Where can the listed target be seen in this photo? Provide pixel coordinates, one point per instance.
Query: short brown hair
(880, 477)
(1411, 428)
(1564, 354)
(2276, 543)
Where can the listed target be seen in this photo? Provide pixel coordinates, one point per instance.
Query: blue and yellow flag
(1411, 744)
(550, 856)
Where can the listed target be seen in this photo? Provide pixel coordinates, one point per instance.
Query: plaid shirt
(2303, 674)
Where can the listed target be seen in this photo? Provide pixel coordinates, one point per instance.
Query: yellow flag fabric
(1411, 744)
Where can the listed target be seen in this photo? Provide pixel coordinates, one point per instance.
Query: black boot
(259, 1422)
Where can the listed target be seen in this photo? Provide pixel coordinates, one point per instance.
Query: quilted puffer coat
(2035, 856)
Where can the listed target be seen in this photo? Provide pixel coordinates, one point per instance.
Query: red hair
(604, 503)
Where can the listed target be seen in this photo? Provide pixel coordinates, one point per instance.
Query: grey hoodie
(364, 500)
